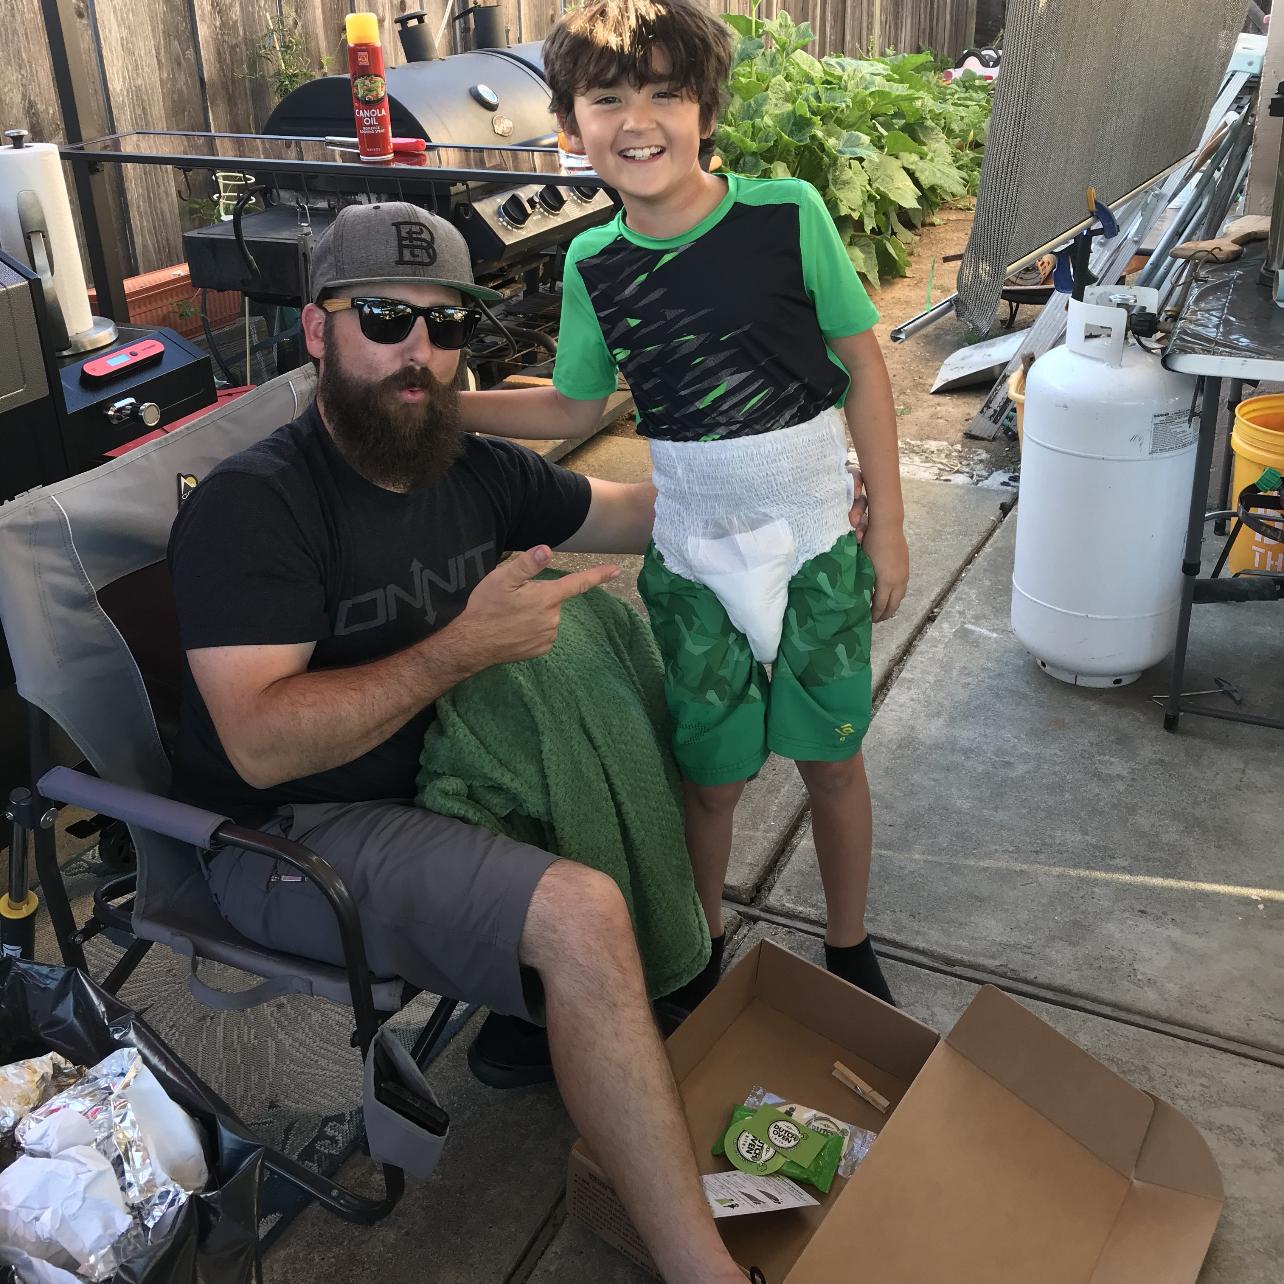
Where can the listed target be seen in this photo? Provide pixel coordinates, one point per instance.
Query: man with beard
(332, 581)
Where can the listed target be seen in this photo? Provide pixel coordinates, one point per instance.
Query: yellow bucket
(1016, 390)
(1258, 442)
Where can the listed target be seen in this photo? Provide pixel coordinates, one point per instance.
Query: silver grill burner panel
(502, 224)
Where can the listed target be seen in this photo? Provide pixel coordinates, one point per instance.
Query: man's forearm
(316, 721)
(533, 413)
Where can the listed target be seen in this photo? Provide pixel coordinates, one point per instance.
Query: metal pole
(18, 905)
(1234, 396)
(1234, 175)
(84, 116)
(1196, 203)
(1208, 412)
(936, 313)
(1216, 209)
(1273, 264)
(52, 887)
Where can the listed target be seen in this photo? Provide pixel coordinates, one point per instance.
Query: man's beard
(395, 444)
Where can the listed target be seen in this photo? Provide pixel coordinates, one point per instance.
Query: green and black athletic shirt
(721, 331)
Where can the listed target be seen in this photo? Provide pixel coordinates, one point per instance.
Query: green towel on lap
(570, 752)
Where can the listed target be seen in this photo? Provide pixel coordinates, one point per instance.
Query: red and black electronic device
(122, 362)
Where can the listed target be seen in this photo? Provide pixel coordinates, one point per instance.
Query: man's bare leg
(612, 1071)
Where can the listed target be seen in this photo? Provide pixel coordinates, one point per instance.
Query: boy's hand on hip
(859, 512)
(885, 546)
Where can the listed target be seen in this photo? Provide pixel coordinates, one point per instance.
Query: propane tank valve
(1144, 323)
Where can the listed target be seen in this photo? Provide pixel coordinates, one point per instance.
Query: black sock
(687, 997)
(859, 965)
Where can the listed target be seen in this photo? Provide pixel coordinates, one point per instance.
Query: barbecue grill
(483, 111)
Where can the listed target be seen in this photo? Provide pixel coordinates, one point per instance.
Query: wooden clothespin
(850, 1079)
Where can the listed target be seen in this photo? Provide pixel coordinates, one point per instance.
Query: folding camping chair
(88, 612)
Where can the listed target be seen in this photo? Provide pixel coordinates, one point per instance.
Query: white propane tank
(1107, 462)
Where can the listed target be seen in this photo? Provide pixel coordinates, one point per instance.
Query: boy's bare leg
(710, 812)
(612, 1071)
(842, 828)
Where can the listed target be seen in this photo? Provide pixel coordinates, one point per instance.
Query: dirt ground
(931, 426)
(913, 364)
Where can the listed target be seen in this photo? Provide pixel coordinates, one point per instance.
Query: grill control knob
(514, 212)
(585, 192)
(128, 408)
(552, 198)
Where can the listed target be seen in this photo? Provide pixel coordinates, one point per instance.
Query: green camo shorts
(727, 714)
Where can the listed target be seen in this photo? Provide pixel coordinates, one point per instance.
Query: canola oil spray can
(369, 87)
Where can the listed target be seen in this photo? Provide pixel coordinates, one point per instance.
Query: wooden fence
(198, 66)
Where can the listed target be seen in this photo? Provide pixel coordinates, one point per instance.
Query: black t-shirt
(286, 543)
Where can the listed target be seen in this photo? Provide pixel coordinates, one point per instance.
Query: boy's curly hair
(607, 41)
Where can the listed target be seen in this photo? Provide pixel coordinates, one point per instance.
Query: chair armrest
(210, 831)
(134, 806)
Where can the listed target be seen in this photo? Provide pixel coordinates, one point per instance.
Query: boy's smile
(642, 153)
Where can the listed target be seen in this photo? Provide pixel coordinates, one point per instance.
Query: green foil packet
(748, 1144)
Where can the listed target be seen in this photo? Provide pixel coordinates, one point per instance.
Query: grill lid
(482, 98)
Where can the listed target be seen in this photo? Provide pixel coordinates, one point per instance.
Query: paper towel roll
(37, 168)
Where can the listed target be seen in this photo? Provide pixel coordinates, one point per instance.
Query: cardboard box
(1008, 1156)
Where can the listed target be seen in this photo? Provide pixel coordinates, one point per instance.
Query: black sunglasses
(450, 326)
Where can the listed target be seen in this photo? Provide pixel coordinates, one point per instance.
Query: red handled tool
(398, 144)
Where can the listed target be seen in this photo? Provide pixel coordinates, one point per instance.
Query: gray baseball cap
(391, 242)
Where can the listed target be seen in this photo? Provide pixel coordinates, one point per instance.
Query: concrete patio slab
(1238, 1104)
(622, 459)
(1057, 834)
(575, 1253)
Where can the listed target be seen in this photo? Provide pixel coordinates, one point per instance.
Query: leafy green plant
(201, 211)
(883, 140)
(284, 50)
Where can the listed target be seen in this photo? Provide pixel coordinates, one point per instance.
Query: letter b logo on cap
(416, 245)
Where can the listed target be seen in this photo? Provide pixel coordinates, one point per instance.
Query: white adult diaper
(741, 516)
(749, 571)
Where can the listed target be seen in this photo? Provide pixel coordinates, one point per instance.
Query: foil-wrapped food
(24, 1085)
(119, 1111)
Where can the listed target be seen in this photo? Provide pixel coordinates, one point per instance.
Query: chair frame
(65, 545)
(34, 811)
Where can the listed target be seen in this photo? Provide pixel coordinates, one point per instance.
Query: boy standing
(732, 308)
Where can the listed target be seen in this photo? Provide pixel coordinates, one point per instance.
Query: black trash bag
(214, 1237)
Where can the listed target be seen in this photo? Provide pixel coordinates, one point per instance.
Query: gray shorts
(443, 903)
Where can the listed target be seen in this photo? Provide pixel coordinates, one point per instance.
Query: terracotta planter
(168, 298)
